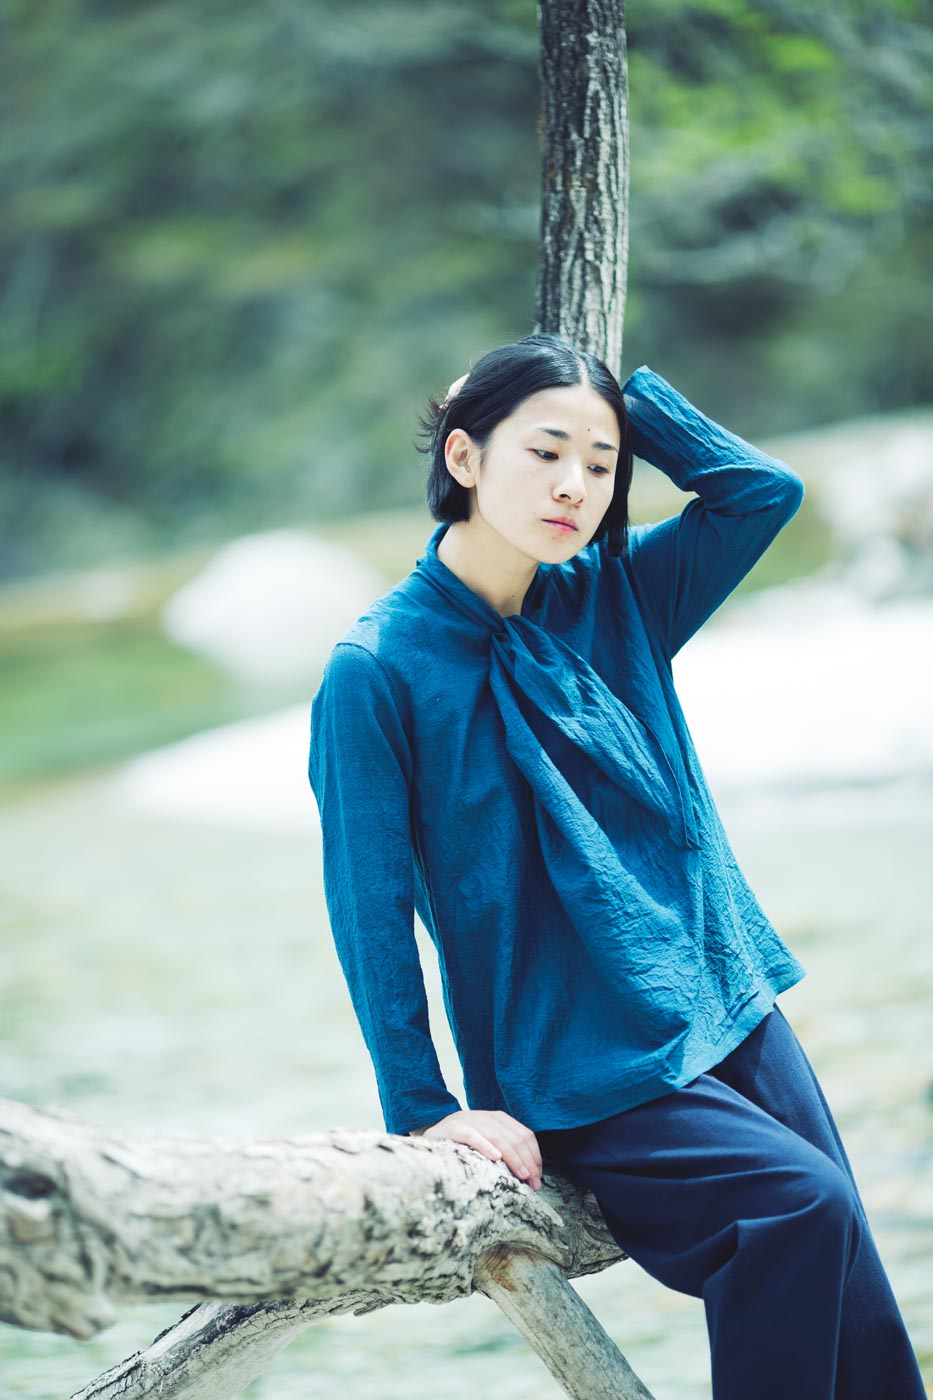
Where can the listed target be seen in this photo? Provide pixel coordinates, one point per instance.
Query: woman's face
(554, 456)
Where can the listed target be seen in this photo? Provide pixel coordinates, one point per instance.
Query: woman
(497, 743)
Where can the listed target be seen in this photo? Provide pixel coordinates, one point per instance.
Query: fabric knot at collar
(546, 693)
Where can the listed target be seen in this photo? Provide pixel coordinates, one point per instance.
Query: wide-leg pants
(737, 1189)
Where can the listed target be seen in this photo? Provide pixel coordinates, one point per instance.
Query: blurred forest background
(240, 242)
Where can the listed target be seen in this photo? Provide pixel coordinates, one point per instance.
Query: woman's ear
(458, 451)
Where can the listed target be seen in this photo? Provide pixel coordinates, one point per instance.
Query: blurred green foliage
(239, 242)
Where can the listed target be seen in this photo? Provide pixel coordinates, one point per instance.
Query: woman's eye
(600, 471)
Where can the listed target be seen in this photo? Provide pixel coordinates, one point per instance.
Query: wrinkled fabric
(529, 785)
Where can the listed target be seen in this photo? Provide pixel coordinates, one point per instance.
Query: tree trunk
(583, 250)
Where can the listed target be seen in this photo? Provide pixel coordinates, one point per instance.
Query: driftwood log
(268, 1235)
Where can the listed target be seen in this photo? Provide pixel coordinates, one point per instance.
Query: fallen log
(269, 1235)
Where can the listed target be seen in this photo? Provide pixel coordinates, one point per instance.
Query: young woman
(497, 743)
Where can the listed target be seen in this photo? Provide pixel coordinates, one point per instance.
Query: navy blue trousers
(737, 1189)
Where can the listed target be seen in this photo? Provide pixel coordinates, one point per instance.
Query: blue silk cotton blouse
(530, 786)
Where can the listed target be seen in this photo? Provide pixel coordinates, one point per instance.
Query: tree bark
(583, 130)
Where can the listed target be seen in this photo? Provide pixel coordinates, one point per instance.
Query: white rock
(269, 606)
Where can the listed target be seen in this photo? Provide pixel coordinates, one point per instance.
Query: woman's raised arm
(684, 567)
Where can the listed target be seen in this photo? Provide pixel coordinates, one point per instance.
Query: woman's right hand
(497, 1135)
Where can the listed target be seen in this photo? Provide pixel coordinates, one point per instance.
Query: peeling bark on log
(584, 136)
(274, 1234)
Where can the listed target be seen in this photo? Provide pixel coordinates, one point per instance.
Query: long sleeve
(684, 567)
(359, 768)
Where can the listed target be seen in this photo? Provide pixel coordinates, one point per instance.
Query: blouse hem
(752, 1011)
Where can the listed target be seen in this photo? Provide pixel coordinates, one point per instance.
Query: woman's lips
(558, 525)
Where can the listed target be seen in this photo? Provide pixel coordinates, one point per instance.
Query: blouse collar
(466, 599)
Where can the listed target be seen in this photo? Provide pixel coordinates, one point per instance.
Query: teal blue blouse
(529, 785)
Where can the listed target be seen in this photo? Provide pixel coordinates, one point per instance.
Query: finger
(520, 1147)
(519, 1157)
(506, 1139)
(526, 1146)
(472, 1137)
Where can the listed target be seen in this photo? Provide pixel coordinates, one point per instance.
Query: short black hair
(493, 389)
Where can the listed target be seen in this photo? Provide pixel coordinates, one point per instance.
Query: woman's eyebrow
(559, 433)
